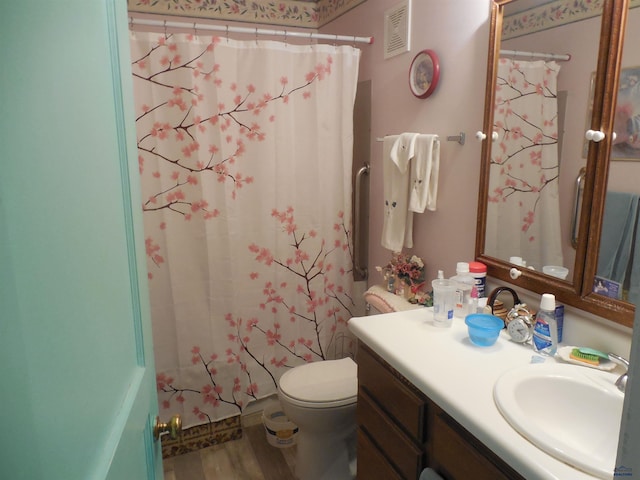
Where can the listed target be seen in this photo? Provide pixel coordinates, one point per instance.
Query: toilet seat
(324, 384)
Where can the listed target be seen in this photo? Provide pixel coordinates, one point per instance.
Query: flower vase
(400, 287)
(409, 295)
(391, 283)
(403, 289)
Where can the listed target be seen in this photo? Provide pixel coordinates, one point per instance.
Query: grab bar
(577, 207)
(360, 270)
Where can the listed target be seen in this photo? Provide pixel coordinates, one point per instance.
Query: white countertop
(459, 377)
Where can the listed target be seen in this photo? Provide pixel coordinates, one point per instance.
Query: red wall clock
(424, 73)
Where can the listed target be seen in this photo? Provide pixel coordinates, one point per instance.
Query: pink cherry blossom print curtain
(245, 152)
(523, 218)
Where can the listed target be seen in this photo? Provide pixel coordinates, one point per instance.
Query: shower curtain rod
(256, 31)
(564, 57)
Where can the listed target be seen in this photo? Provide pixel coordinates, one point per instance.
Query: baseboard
(202, 436)
(214, 433)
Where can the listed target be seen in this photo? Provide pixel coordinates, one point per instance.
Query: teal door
(78, 390)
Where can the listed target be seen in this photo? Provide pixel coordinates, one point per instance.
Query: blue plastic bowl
(483, 328)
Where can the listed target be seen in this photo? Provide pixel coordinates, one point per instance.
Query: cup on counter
(444, 298)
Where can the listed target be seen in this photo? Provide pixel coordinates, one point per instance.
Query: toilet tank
(381, 301)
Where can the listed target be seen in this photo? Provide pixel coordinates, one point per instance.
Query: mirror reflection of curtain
(245, 152)
(523, 216)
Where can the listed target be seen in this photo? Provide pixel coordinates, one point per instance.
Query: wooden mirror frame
(579, 293)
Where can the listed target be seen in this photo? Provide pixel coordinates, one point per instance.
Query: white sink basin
(571, 412)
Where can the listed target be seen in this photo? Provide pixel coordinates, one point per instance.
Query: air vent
(397, 26)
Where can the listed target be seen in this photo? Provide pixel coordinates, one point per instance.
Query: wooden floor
(250, 458)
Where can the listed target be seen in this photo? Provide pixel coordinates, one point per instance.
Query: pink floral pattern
(249, 273)
(524, 162)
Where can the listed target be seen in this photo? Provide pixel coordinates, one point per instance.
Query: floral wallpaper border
(296, 13)
(552, 14)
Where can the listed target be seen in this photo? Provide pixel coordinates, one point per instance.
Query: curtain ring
(310, 38)
(256, 36)
(195, 30)
(165, 29)
(285, 39)
(227, 33)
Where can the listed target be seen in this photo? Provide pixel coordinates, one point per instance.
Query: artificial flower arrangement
(404, 276)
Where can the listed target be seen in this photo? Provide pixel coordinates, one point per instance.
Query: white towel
(397, 228)
(403, 150)
(425, 168)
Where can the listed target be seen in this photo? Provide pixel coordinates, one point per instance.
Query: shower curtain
(245, 152)
(523, 215)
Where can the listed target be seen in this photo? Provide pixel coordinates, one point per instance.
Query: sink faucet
(621, 382)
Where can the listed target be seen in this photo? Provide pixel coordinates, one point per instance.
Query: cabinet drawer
(371, 463)
(458, 455)
(395, 397)
(398, 448)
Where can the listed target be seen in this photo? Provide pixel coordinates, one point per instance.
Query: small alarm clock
(519, 323)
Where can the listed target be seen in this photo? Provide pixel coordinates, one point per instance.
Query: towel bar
(457, 138)
(460, 138)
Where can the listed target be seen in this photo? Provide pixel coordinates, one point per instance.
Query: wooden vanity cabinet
(401, 432)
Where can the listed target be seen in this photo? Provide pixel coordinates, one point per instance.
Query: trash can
(281, 433)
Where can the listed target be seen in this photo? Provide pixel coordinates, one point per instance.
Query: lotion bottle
(545, 330)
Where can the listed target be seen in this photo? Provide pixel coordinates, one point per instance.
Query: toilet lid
(322, 382)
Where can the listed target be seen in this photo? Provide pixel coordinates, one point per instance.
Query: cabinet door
(398, 448)
(457, 455)
(371, 463)
(395, 397)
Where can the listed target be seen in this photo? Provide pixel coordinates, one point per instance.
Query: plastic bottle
(464, 283)
(474, 301)
(545, 330)
(478, 271)
(443, 300)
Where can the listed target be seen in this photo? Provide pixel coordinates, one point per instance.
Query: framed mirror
(617, 272)
(552, 70)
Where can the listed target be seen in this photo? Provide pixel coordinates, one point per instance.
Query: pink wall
(458, 31)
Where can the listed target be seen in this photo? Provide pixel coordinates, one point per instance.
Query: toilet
(320, 398)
